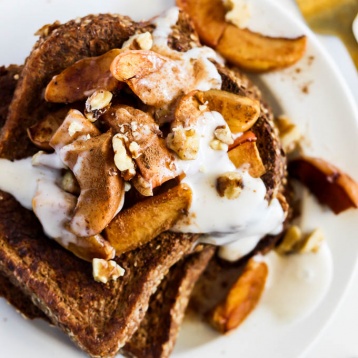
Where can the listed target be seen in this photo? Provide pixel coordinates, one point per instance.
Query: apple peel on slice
(328, 184)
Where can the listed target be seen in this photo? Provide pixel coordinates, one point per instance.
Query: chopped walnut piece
(312, 242)
(143, 186)
(97, 104)
(69, 183)
(142, 41)
(134, 148)
(295, 241)
(289, 134)
(103, 270)
(217, 144)
(229, 185)
(122, 160)
(291, 239)
(184, 142)
(223, 134)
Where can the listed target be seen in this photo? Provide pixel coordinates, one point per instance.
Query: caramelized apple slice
(241, 299)
(41, 133)
(92, 247)
(74, 126)
(239, 112)
(257, 53)
(247, 154)
(244, 48)
(208, 17)
(330, 185)
(157, 164)
(187, 110)
(102, 189)
(145, 220)
(80, 80)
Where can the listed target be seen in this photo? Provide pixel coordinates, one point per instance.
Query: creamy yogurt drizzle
(245, 219)
(20, 178)
(296, 283)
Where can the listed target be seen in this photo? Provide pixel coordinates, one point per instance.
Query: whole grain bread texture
(8, 81)
(102, 318)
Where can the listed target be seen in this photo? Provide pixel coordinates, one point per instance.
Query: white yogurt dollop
(245, 219)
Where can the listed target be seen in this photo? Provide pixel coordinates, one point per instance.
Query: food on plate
(247, 152)
(330, 185)
(248, 50)
(79, 81)
(294, 241)
(242, 298)
(159, 213)
(290, 135)
(145, 155)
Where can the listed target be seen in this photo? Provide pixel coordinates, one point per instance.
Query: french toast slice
(99, 318)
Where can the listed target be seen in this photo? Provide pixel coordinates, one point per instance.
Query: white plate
(310, 93)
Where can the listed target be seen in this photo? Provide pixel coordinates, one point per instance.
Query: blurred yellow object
(333, 17)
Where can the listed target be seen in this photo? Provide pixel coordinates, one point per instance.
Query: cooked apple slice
(157, 164)
(80, 80)
(241, 299)
(239, 112)
(102, 189)
(145, 220)
(242, 47)
(41, 133)
(208, 17)
(136, 64)
(330, 185)
(187, 110)
(257, 53)
(247, 155)
(92, 247)
(74, 126)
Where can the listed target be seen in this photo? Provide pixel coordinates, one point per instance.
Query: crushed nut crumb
(223, 134)
(229, 185)
(184, 142)
(103, 270)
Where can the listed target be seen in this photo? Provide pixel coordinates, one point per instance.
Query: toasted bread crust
(8, 80)
(156, 335)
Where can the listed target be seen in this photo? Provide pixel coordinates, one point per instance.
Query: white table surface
(339, 339)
